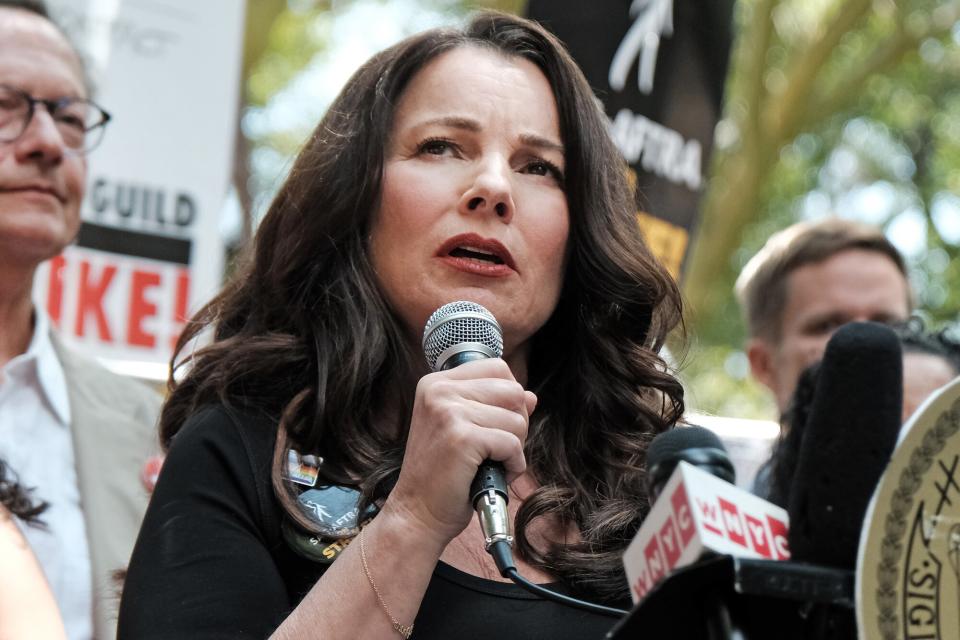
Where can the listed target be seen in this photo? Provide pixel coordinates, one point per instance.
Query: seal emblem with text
(908, 569)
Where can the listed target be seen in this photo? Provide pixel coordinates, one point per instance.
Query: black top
(211, 561)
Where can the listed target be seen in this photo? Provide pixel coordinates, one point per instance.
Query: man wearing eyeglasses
(76, 433)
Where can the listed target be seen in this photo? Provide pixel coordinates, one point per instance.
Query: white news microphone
(456, 333)
(697, 514)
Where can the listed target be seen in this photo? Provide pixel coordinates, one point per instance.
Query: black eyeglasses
(80, 122)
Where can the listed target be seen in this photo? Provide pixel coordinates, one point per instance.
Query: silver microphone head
(461, 327)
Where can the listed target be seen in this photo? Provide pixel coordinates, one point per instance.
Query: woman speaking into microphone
(318, 473)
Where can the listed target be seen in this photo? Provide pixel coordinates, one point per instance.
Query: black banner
(134, 243)
(659, 67)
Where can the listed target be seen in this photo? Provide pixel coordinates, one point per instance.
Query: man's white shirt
(36, 444)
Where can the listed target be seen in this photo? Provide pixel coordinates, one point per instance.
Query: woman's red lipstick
(474, 254)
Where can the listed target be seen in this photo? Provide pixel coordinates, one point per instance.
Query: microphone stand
(729, 598)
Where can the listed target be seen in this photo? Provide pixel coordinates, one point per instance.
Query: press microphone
(698, 511)
(847, 442)
(729, 558)
(456, 333)
(692, 444)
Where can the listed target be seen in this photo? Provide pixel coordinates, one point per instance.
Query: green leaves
(846, 107)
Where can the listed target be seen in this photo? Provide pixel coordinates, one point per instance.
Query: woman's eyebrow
(457, 122)
(469, 124)
(534, 140)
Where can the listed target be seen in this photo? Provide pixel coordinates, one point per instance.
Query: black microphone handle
(490, 477)
(490, 473)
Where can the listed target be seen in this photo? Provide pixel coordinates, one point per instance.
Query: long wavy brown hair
(303, 333)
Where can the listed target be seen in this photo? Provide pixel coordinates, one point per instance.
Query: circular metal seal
(908, 566)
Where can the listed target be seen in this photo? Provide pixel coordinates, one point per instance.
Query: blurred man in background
(931, 359)
(807, 281)
(76, 433)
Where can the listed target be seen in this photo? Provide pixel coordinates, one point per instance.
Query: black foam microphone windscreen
(849, 438)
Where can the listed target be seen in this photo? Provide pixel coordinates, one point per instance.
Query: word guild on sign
(150, 208)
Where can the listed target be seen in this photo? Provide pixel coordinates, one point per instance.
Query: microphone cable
(503, 558)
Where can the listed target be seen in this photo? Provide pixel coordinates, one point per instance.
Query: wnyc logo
(698, 513)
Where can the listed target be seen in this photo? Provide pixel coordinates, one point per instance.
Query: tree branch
(752, 52)
(738, 172)
(838, 97)
(884, 57)
(786, 109)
